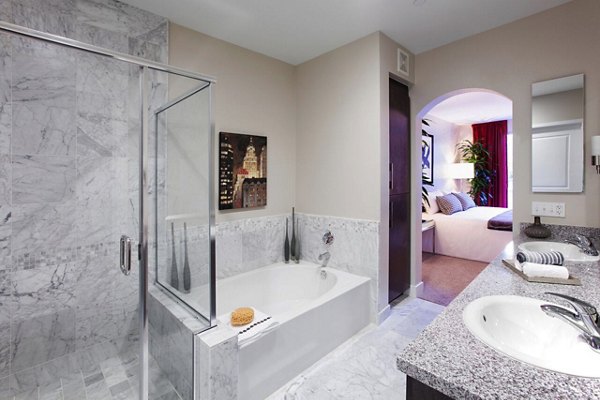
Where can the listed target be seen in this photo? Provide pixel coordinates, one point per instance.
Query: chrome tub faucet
(581, 315)
(324, 258)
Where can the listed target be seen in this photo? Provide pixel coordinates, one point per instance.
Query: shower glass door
(182, 163)
(69, 173)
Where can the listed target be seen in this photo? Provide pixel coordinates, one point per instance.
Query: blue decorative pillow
(449, 204)
(465, 200)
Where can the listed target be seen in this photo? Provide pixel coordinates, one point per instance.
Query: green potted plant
(476, 153)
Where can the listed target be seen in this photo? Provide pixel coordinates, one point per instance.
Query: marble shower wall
(69, 131)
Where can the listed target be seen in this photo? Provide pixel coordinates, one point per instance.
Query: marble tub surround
(448, 358)
(172, 330)
(246, 244)
(68, 179)
(355, 248)
(217, 368)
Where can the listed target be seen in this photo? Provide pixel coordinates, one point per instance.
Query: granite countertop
(448, 358)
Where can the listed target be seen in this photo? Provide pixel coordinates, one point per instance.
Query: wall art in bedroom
(242, 171)
(427, 157)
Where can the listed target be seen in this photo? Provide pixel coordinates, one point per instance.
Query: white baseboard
(383, 314)
(416, 290)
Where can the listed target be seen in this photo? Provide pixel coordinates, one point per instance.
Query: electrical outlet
(544, 209)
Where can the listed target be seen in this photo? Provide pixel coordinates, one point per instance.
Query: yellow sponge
(242, 316)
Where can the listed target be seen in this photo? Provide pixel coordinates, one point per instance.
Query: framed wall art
(427, 157)
(242, 171)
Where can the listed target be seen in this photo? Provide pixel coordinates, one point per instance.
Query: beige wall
(337, 149)
(254, 94)
(562, 41)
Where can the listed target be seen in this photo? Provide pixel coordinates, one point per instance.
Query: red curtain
(493, 137)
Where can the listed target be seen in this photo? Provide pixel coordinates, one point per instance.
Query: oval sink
(570, 251)
(518, 328)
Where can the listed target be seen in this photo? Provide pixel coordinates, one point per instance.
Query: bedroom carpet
(445, 277)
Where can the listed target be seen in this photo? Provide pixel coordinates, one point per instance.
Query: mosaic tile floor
(112, 379)
(365, 366)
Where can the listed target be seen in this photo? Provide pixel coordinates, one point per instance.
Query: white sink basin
(518, 328)
(570, 251)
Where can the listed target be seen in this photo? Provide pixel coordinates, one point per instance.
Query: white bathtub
(316, 315)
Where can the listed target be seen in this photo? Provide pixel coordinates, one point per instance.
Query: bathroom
(82, 130)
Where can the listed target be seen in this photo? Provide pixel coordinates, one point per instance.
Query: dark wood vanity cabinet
(399, 184)
(416, 390)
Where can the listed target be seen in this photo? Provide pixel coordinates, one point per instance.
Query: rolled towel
(534, 270)
(541, 257)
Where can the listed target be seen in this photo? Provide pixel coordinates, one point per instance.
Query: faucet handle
(584, 307)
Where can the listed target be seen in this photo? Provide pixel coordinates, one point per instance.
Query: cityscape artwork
(242, 171)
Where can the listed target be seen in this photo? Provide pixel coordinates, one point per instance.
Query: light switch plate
(546, 209)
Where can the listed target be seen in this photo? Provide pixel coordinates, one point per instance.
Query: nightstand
(429, 226)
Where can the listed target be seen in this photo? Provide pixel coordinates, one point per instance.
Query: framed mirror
(557, 108)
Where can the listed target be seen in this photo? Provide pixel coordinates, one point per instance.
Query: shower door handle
(125, 254)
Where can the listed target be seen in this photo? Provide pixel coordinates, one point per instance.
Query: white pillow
(433, 207)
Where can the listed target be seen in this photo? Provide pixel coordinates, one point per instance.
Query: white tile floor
(365, 366)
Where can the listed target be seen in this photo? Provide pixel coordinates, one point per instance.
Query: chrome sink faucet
(584, 243)
(583, 316)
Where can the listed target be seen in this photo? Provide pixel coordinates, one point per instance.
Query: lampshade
(460, 171)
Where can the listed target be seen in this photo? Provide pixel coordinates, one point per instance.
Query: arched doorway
(451, 126)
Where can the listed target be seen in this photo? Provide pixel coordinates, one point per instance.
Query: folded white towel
(534, 270)
(261, 325)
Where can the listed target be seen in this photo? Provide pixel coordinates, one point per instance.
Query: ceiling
(473, 108)
(297, 31)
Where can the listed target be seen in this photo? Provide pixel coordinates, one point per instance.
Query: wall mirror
(557, 108)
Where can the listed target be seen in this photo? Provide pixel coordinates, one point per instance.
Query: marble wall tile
(100, 36)
(40, 339)
(247, 244)
(43, 180)
(42, 291)
(52, 16)
(43, 94)
(5, 301)
(5, 92)
(42, 228)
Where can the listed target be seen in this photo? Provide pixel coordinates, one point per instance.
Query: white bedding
(465, 234)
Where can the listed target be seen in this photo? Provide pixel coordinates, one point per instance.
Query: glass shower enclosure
(105, 189)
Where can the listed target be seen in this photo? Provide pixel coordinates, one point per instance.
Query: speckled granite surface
(448, 358)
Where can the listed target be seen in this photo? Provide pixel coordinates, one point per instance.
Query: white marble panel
(218, 357)
(43, 93)
(101, 37)
(40, 228)
(52, 16)
(41, 339)
(43, 290)
(247, 244)
(5, 300)
(43, 179)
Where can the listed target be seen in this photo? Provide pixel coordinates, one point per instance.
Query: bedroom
(465, 136)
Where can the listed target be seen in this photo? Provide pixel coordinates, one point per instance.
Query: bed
(465, 234)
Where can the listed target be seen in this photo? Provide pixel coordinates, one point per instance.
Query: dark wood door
(399, 266)
(399, 202)
(399, 138)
